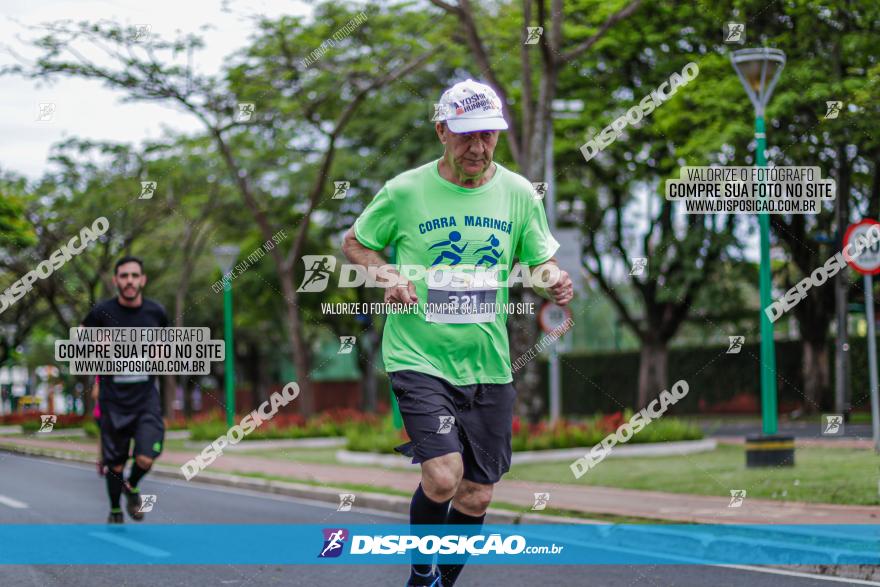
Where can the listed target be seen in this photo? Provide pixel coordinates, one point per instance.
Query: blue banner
(588, 544)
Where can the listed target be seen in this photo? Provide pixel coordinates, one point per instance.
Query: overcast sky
(89, 110)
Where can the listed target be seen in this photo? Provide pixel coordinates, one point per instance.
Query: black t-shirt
(126, 392)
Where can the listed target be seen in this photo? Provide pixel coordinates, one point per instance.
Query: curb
(654, 449)
(378, 501)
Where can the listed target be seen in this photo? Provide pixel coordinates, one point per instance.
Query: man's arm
(400, 291)
(559, 288)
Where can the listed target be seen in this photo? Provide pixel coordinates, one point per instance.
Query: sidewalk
(684, 508)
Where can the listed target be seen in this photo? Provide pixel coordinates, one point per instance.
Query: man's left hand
(563, 290)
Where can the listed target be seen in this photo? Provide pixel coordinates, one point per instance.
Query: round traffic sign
(868, 262)
(551, 316)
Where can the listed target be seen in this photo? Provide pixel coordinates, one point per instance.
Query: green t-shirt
(434, 222)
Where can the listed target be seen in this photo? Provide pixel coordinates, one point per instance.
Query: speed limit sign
(868, 262)
(551, 316)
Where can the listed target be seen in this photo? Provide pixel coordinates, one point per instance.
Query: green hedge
(91, 429)
(666, 429)
(565, 434)
(608, 382)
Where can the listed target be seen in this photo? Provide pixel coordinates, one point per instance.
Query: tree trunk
(179, 307)
(653, 365)
(170, 385)
(369, 389)
(816, 374)
(298, 347)
(523, 330)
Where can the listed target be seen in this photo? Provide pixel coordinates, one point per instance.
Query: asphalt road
(42, 491)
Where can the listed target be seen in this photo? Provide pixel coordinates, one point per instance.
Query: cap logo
(473, 102)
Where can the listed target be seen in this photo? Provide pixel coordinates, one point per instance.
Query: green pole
(768, 351)
(230, 352)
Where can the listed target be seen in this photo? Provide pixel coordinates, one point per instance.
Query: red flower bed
(62, 420)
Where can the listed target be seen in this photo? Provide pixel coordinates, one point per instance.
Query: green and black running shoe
(115, 517)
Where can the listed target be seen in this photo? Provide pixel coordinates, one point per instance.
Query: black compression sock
(114, 488)
(449, 573)
(424, 510)
(136, 474)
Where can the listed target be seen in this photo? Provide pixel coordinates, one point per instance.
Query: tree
(625, 215)
(296, 101)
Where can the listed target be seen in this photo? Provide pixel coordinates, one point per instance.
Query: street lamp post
(226, 256)
(558, 109)
(759, 70)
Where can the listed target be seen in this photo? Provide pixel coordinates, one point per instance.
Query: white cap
(470, 106)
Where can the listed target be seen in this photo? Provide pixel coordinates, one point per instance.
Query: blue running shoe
(417, 580)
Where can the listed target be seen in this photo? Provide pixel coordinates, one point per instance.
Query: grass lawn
(325, 455)
(820, 475)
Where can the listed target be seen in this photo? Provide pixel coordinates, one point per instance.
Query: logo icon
(540, 190)
(832, 425)
(341, 188)
(346, 345)
(736, 343)
(147, 503)
(541, 500)
(638, 265)
(833, 109)
(446, 424)
(47, 422)
(737, 496)
(318, 271)
(245, 112)
(334, 540)
(46, 112)
(346, 500)
(534, 35)
(441, 112)
(735, 32)
(148, 188)
(141, 32)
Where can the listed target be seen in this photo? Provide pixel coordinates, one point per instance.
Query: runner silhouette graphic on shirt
(489, 259)
(453, 257)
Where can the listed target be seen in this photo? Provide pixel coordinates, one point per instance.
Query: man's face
(470, 153)
(129, 280)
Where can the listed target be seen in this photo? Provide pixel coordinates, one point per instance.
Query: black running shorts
(473, 420)
(119, 428)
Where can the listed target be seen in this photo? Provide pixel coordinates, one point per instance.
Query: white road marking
(130, 544)
(801, 575)
(13, 503)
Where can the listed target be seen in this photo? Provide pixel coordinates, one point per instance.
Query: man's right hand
(404, 292)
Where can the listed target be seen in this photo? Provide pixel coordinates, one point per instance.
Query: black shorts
(480, 429)
(119, 428)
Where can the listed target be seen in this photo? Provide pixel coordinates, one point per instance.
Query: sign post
(551, 317)
(868, 264)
